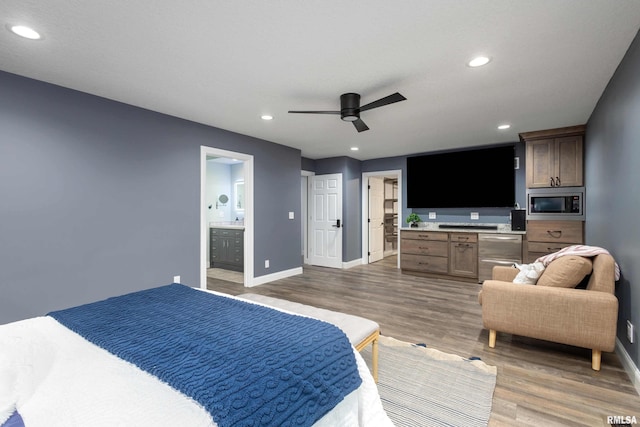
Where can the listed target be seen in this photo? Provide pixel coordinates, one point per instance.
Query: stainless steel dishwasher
(497, 249)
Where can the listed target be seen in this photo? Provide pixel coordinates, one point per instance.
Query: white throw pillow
(529, 273)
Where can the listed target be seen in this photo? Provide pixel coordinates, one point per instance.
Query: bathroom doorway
(226, 230)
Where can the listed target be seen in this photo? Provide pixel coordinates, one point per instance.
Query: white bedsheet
(54, 377)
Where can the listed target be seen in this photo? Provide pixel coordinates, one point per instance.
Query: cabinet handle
(423, 235)
(553, 184)
(553, 249)
(555, 233)
(557, 181)
(424, 248)
(461, 238)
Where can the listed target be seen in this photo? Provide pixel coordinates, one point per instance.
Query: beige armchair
(579, 317)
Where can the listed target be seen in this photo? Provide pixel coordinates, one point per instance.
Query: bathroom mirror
(239, 195)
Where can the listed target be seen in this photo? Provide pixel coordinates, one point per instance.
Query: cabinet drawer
(555, 231)
(425, 263)
(425, 235)
(226, 232)
(425, 247)
(546, 247)
(464, 237)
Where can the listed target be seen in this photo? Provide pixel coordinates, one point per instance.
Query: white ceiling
(225, 63)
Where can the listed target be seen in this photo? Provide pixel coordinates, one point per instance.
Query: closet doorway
(381, 211)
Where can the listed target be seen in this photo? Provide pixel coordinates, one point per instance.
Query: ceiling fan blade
(396, 97)
(316, 112)
(360, 125)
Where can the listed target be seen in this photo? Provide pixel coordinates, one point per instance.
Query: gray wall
(612, 159)
(100, 198)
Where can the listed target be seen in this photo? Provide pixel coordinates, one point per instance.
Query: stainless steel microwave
(560, 203)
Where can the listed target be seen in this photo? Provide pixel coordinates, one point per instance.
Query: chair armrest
(570, 316)
(505, 274)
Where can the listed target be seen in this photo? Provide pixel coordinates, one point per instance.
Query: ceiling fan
(350, 108)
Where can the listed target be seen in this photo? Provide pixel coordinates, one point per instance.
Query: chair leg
(596, 358)
(492, 338)
(374, 359)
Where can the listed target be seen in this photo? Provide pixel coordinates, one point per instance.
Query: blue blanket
(246, 364)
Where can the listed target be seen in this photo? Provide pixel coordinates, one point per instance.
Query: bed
(178, 356)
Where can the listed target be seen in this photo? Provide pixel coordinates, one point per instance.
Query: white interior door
(376, 218)
(325, 220)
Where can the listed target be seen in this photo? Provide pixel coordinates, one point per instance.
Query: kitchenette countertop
(236, 225)
(459, 227)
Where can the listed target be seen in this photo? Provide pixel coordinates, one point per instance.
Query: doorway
(382, 233)
(241, 195)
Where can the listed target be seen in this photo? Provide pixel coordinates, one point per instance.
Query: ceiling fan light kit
(350, 108)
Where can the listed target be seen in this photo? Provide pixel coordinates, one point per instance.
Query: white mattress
(54, 377)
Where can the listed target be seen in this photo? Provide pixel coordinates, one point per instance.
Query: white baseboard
(351, 264)
(629, 366)
(275, 276)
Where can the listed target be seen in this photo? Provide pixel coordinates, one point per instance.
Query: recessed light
(503, 127)
(479, 61)
(266, 117)
(354, 148)
(26, 32)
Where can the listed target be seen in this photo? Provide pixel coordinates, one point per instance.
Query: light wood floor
(539, 383)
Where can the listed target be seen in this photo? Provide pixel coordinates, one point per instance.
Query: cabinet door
(463, 259)
(540, 163)
(568, 159)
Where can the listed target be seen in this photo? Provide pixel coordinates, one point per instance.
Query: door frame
(248, 211)
(304, 213)
(365, 209)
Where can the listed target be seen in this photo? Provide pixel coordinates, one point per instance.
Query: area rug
(422, 386)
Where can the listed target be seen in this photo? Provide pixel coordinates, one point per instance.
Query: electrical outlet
(290, 215)
(176, 279)
(475, 215)
(266, 263)
(432, 215)
(630, 331)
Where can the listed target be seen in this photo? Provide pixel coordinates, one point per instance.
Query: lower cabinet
(226, 248)
(545, 237)
(441, 253)
(463, 254)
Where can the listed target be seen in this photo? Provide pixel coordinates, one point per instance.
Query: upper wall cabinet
(554, 157)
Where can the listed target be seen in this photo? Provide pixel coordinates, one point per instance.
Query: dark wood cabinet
(226, 248)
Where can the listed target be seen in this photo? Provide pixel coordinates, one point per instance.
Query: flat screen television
(474, 178)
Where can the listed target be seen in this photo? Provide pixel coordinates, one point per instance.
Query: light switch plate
(290, 215)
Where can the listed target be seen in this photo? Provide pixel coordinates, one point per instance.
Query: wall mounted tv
(462, 179)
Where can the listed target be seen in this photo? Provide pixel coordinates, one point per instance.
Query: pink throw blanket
(578, 250)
